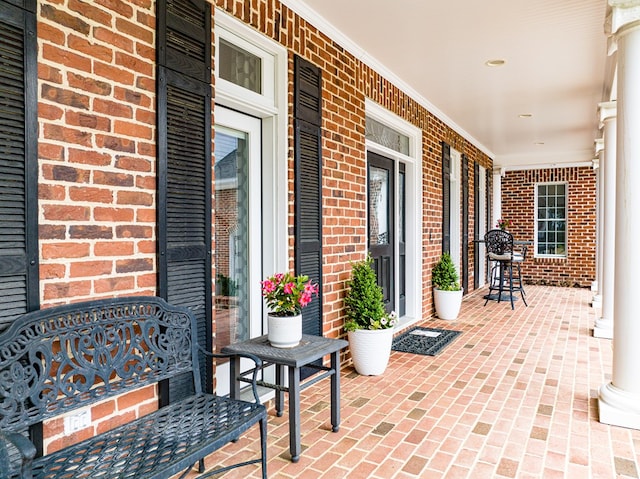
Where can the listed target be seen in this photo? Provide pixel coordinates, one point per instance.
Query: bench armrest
(254, 375)
(26, 449)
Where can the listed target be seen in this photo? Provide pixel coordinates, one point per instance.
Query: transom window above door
(384, 135)
(244, 68)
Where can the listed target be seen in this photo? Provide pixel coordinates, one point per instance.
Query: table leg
(234, 384)
(294, 413)
(335, 391)
(279, 391)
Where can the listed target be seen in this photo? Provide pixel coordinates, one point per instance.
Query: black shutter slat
(446, 198)
(465, 224)
(184, 169)
(184, 37)
(308, 92)
(308, 185)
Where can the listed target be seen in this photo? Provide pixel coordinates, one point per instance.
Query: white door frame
(456, 212)
(413, 207)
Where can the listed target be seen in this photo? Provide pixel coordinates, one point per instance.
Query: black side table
(310, 349)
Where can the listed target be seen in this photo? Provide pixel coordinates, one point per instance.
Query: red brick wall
(346, 84)
(518, 205)
(97, 152)
(96, 149)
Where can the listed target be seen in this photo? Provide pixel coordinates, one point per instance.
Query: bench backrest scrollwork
(58, 359)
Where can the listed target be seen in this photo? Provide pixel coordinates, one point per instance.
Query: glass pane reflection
(378, 206)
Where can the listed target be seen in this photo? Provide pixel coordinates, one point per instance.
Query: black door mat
(425, 341)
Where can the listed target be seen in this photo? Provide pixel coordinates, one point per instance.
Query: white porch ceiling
(556, 69)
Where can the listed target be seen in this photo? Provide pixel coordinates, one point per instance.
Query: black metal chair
(506, 274)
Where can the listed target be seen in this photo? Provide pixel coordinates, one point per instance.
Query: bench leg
(263, 446)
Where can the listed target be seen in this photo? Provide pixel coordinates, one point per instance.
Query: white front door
(237, 233)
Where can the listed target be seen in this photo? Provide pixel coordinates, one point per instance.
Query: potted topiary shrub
(369, 327)
(447, 293)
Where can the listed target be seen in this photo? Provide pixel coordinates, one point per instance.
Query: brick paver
(514, 396)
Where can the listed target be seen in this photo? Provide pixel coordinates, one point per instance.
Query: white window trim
(271, 108)
(413, 205)
(238, 34)
(566, 220)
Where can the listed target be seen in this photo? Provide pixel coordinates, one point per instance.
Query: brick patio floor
(513, 396)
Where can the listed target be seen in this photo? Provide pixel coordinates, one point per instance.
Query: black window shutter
(19, 277)
(308, 185)
(465, 224)
(446, 198)
(18, 161)
(476, 225)
(184, 169)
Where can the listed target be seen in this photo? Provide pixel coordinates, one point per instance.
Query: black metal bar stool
(506, 274)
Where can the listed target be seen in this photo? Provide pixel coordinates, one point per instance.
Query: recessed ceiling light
(498, 62)
(525, 115)
(538, 143)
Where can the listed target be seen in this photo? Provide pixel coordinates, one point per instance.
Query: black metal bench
(55, 360)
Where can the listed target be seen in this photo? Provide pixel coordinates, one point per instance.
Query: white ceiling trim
(344, 41)
(546, 166)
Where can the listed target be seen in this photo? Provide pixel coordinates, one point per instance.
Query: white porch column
(619, 400)
(496, 209)
(603, 327)
(596, 286)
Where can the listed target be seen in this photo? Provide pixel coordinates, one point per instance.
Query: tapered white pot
(370, 350)
(284, 331)
(447, 303)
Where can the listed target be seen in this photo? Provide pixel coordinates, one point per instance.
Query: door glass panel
(378, 206)
(231, 236)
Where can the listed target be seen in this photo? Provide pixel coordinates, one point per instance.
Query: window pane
(231, 236)
(240, 67)
(378, 206)
(551, 224)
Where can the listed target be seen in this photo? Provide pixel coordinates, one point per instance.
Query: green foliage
(225, 286)
(364, 301)
(444, 275)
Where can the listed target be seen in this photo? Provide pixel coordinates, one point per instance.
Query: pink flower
(268, 286)
(311, 288)
(305, 298)
(288, 288)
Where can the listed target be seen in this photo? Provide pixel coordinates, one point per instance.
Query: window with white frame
(551, 219)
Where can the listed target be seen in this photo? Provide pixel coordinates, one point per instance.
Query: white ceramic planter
(284, 331)
(447, 303)
(370, 350)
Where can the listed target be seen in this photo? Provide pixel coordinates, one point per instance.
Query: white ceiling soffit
(539, 108)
